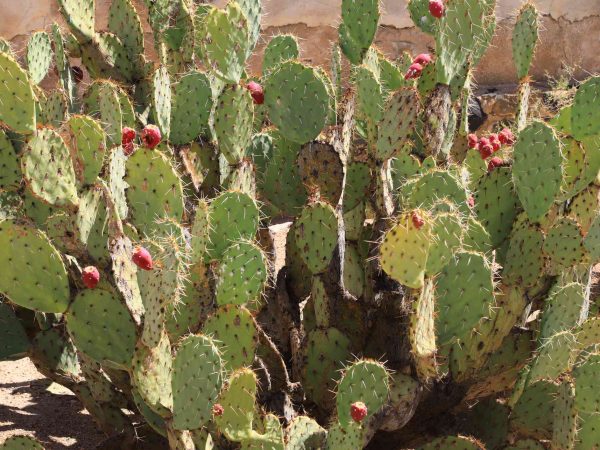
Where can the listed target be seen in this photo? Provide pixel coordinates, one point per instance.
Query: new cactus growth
(427, 269)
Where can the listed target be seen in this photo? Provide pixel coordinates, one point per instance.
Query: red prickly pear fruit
(127, 135)
(423, 59)
(437, 8)
(256, 91)
(128, 148)
(414, 71)
(151, 136)
(77, 74)
(495, 141)
(142, 258)
(218, 409)
(506, 137)
(494, 162)
(358, 411)
(485, 148)
(471, 201)
(473, 140)
(90, 277)
(417, 220)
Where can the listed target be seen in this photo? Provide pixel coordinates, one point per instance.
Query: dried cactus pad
(17, 108)
(33, 274)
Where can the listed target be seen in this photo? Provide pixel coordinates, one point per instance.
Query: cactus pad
(436, 185)
(238, 402)
(524, 259)
(524, 38)
(154, 191)
(297, 101)
(358, 27)
(564, 244)
(398, 123)
(279, 49)
(34, 275)
(585, 118)
(102, 327)
(234, 332)
(464, 296)
(17, 108)
(446, 232)
(303, 432)
(161, 100)
(242, 274)
(316, 233)
(90, 141)
(564, 309)
(363, 381)
(10, 170)
(39, 56)
(453, 443)
(233, 122)
(233, 216)
(21, 443)
(405, 249)
(14, 340)
(196, 381)
(321, 170)
(537, 169)
(190, 109)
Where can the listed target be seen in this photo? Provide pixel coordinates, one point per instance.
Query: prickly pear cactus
(246, 251)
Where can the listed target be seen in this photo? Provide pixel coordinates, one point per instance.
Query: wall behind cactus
(569, 32)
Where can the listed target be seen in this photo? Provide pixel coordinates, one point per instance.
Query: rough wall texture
(569, 37)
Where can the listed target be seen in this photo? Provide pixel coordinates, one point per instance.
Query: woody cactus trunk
(436, 287)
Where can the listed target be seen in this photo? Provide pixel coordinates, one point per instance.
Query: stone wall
(570, 35)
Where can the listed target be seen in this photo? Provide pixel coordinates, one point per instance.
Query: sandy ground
(31, 404)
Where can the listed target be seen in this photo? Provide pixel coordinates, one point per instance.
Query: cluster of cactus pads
(429, 299)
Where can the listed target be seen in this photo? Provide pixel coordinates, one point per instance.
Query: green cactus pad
(242, 274)
(196, 381)
(524, 38)
(398, 123)
(591, 242)
(532, 415)
(585, 207)
(34, 275)
(15, 343)
(80, 15)
(54, 350)
(564, 309)
(364, 381)
(369, 101)
(21, 443)
(18, 113)
(464, 296)
(117, 166)
(553, 357)
(324, 355)
(191, 105)
(297, 101)
(453, 443)
(125, 23)
(154, 189)
(90, 141)
(10, 170)
(238, 402)
(354, 221)
(419, 13)
(585, 118)
(358, 27)
(161, 100)
(354, 272)
(564, 244)
(39, 56)
(524, 259)
(537, 172)
(234, 331)
(421, 332)
(321, 170)
(496, 204)
(303, 433)
(102, 327)
(358, 178)
(281, 184)
(587, 399)
(151, 375)
(233, 216)
(340, 439)
(316, 234)
(436, 185)
(226, 42)
(233, 122)
(110, 112)
(446, 231)
(279, 49)
(54, 109)
(405, 249)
